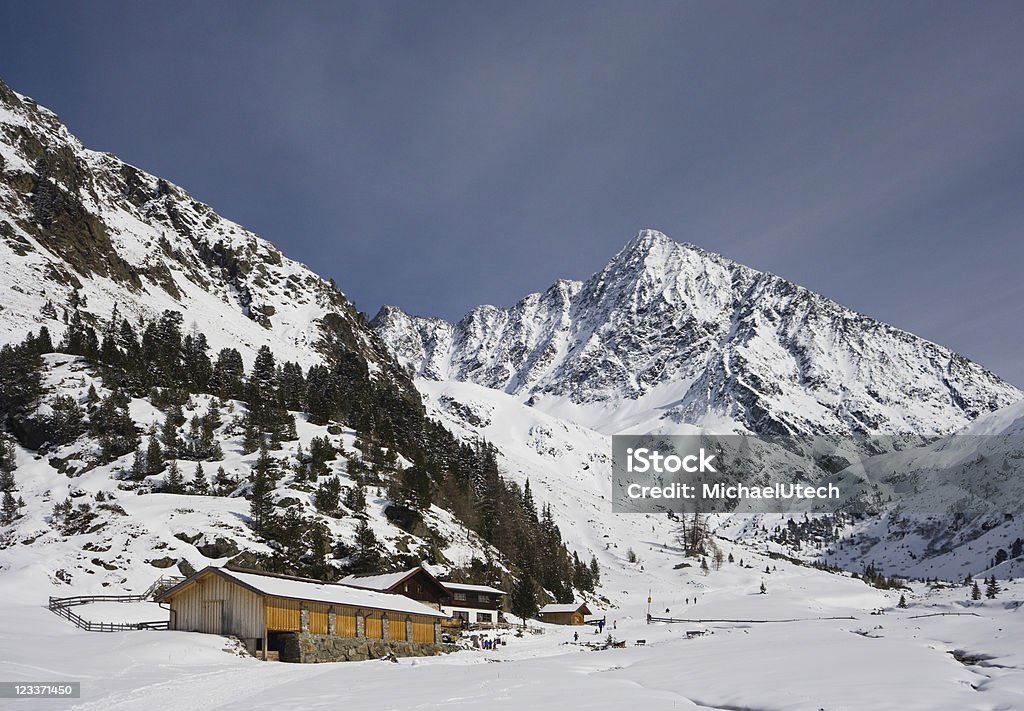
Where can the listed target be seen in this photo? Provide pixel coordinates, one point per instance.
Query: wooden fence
(672, 620)
(62, 606)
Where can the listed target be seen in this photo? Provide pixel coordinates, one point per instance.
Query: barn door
(213, 611)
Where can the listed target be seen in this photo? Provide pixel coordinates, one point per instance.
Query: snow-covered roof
(324, 592)
(463, 587)
(555, 608)
(385, 581)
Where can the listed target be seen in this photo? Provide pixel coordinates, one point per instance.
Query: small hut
(571, 614)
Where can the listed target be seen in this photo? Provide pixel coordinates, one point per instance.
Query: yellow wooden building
(571, 614)
(260, 608)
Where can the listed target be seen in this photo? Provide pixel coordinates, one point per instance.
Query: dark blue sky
(441, 155)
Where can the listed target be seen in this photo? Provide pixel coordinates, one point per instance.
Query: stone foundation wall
(311, 648)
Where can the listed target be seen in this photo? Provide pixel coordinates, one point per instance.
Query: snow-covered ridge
(669, 334)
(72, 219)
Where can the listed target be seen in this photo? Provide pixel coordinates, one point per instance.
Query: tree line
(167, 364)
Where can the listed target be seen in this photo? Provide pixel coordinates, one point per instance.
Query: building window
(483, 598)
(460, 596)
(484, 617)
(461, 615)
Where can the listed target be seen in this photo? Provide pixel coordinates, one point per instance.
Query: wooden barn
(262, 610)
(571, 614)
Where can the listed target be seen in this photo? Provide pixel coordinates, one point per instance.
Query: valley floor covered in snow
(942, 652)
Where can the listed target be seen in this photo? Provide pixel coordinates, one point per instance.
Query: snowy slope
(137, 535)
(75, 220)
(983, 464)
(669, 334)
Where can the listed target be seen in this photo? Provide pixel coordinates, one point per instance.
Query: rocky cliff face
(81, 226)
(669, 334)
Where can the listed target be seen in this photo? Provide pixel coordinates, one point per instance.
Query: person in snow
(575, 636)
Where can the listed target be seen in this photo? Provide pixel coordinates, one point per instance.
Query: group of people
(488, 643)
(598, 628)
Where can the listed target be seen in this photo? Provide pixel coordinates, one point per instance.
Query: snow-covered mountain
(669, 334)
(85, 236)
(666, 336)
(78, 224)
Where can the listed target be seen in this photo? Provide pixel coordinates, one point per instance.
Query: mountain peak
(648, 237)
(653, 255)
(668, 334)
(645, 243)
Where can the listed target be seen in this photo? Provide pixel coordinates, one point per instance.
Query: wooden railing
(162, 584)
(674, 620)
(62, 606)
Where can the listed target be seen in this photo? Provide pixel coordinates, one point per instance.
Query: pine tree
(268, 466)
(169, 432)
(112, 424)
(199, 485)
(903, 602)
(44, 342)
(300, 468)
(524, 599)
(261, 503)
(154, 456)
(321, 451)
(975, 592)
(991, 588)
(7, 463)
(327, 495)
(366, 555)
(528, 504)
(9, 508)
(139, 466)
(355, 499)
(252, 437)
(319, 543)
(292, 385)
(66, 421)
(264, 372)
(195, 363)
(174, 482)
(228, 374)
(21, 384)
(224, 485)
